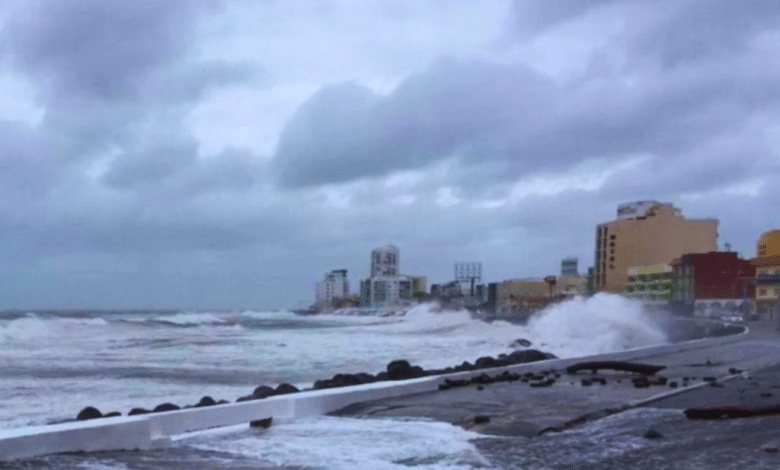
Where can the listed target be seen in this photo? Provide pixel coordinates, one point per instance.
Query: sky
(213, 154)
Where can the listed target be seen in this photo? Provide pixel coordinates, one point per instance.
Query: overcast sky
(214, 154)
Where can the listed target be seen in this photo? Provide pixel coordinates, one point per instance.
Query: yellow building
(644, 234)
(767, 265)
(520, 295)
(419, 285)
(570, 286)
(653, 283)
(768, 243)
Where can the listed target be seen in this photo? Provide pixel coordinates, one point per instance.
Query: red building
(713, 275)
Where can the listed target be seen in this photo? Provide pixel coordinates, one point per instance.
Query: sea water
(53, 364)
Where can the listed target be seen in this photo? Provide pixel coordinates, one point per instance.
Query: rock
(456, 382)
(89, 413)
(166, 407)
(444, 387)
(206, 401)
(322, 384)
(734, 370)
(138, 411)
(261, 423)
(262, 391)
(285, 388)
(246, 398)
(113, 414)
(672, 384)
(653, 434)
(486, 362)
(520, 343)
(382, 376)
(480, 387)
(709, 379)
(527, 355)
(481, 419)
(482, 379)
(543, 383)
(622, 366)
(586, 383)
(222, 402)
(365, 378)
(398, 364)
(465, 367)
(402, 370)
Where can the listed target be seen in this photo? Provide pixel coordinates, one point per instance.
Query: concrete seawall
(154, 430)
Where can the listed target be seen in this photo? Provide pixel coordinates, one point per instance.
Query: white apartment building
(334, 285)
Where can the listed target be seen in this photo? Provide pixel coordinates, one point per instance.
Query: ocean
(53, 364)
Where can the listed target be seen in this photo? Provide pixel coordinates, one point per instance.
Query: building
(767, 280)
(570, 286)
(385, 261)
(704, 280)
(569, 267)
(334, 286)
(651, 283)
(386, 286)
(481, 294)
(646, 233)
(381, 291)
(419, 286)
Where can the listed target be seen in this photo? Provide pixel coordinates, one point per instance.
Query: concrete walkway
(516, 408)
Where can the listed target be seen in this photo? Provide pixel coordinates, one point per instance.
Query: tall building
(385, 261)
(334, 286)
(767, 280)
(569, 267)
(646, 233)
(386, 286)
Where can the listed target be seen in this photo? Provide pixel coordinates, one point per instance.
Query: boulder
(138, 411)
(486, 362)
(206, 401)
(466, 366)
(113, 414)
(285, 388)
(261, 423)
(323, 384)
(262, 391)
(365, 378)
(244, 398)
(89, 413)
(166, 407)
(222, 402)
(527, 355)
(520, 343)
(402, 370)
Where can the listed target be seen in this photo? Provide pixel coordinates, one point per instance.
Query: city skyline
(215, 154)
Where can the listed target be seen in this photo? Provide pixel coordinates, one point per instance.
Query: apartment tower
(646, 233)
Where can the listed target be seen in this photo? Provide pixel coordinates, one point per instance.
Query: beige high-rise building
(647, 233)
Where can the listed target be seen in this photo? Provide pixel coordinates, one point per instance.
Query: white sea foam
(192, 319)
(32, 326)
(600, 324)
(338, 443)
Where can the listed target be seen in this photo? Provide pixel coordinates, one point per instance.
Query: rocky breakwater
(399, 369)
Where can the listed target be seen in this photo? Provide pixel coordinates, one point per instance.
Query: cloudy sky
(215, 154)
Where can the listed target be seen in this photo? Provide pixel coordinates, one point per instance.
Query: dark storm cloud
(114, 78)
(97, 49)
(515, 118)
(533, 16)
(346, 131)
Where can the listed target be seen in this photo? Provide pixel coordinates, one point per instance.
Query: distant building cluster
(650, 252)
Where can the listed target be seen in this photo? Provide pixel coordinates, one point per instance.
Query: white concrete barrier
(83, 436)
(154, 429)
